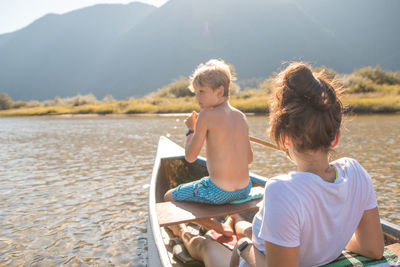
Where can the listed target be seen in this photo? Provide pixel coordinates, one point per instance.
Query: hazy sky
(16, 14)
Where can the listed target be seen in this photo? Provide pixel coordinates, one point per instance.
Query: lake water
(74, 191)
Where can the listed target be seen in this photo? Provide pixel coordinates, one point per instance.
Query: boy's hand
(190, 121)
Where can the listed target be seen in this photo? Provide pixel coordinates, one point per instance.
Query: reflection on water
(74, 191)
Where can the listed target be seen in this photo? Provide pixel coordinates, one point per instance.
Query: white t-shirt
(301, 209)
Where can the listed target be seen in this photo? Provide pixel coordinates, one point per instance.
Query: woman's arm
(275, 255)
(281, 256)
(250, 254)
(368, 238)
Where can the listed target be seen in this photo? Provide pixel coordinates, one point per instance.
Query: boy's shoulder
(220, 112)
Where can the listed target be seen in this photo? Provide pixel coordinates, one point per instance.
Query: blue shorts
(208, 192)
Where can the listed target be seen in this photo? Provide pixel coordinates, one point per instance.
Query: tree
(5, 101)
(328, 72)
(108, 98)
(178, 88)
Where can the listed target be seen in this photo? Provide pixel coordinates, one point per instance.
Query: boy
(226, 133)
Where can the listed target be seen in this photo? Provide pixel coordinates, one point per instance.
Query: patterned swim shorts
(208, 192)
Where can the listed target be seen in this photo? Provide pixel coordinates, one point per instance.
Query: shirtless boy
(225, 131)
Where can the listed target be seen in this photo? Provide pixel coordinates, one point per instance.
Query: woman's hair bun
(312, 90)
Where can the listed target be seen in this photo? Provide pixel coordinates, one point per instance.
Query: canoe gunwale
(153, 221)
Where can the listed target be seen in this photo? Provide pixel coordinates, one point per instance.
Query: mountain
(131, 50)
(60, 54)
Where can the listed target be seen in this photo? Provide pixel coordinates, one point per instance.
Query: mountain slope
(59, 54)
(255, 36)
(131, 50)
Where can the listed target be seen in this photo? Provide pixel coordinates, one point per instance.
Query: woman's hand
(235, 258)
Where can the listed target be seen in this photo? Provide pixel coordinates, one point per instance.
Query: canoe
(170, 169)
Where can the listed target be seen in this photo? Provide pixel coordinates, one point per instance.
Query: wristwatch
(190, 131)
(242, 246)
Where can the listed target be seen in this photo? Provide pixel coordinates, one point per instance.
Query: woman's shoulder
(346, 163)
(279, 183)
(346, 160)
(351, 169)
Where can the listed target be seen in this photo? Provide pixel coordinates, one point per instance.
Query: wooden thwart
(170, 213)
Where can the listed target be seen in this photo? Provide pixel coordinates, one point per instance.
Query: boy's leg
(242, 227)
(185, 192)
(209, 251)
(168, 195)
(234, 224)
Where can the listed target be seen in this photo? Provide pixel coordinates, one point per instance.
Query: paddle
(264, 143)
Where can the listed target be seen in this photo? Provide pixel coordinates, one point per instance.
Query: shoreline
(363, 104)
(167, 115)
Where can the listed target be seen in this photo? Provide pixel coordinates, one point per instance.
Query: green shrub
(81, 100)
(84, 110)
(373, 105)
(378, 76)
(142, 108)
(253, 105)
(105, 110)
(19, 104)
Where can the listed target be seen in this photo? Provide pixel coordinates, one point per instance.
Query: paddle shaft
(264, 143)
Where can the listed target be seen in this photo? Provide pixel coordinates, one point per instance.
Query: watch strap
(242, 246)
(190, 131)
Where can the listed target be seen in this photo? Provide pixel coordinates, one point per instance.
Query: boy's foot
(228, 226)
(236, 218)
(225, 228)
(176, 229)
(182, 231)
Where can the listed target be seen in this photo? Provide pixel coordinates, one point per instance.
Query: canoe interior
(175, 171)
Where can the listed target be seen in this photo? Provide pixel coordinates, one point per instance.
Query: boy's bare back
(224, 129)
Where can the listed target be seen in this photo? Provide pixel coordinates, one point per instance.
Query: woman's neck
(316, 162)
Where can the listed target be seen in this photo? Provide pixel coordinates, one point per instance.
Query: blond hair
(214, 73)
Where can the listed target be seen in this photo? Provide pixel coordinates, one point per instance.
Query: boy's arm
(195, 141)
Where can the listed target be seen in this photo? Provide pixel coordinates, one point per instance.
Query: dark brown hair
(306, 108)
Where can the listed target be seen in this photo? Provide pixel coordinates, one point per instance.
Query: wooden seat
(170, 213)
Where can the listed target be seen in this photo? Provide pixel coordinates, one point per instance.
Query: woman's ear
(286, 142)
(336, 140)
